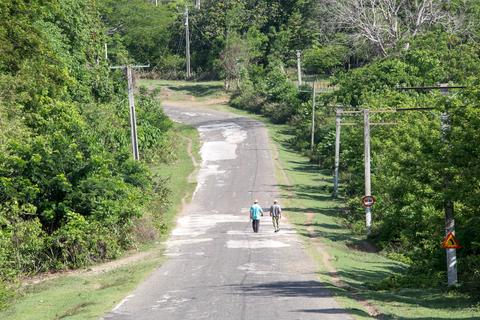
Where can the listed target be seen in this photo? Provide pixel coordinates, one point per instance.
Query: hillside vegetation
(70, 192)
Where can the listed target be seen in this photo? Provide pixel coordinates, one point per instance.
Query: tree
(386, 24)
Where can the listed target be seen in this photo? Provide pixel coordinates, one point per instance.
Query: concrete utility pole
(312, 143)
(131, 102)
(133, 116)
(448, 207)
(452, 275)
(197, 4)
(106, 51)
(338, 125)
(299, 69)
(187, 44)
(368, 186)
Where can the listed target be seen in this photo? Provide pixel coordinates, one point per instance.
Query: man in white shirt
(276, 214)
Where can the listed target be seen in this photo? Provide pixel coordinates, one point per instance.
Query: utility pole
(106, 51)
(452, 276)
(312, 143)
(368, 186)
(131, 102)
(338, 125)
(448, 207)
(197, 4)
(187, 44)
(133, 116)
(299, 69)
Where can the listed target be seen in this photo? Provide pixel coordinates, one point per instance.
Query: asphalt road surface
(217, 267)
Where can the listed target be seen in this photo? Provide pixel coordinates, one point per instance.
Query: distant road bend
(217, 267)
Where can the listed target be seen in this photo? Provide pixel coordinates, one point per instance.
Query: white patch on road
(218, 150)
(234, 134)
(172, 302)
(208, 171)
(269, 228)
(196, 114)
(257, 244)
(194, 225)
(222, 149)
(253, 268)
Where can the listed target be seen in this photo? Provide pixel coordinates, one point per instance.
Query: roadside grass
(187, 91)
(82, 296)
(89, 294)
(310, 208)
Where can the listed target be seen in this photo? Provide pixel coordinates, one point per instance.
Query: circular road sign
(368, 201)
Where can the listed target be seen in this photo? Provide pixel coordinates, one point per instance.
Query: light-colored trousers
(275, 222)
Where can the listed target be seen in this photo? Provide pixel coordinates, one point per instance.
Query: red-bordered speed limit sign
(368, 201)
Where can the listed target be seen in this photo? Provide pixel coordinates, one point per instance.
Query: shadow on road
(311, 289)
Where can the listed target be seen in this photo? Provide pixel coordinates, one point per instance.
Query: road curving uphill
(217, 267)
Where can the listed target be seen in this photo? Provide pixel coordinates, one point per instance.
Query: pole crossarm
(350, 112)
(400, 110)
(383, 123)
(431, 88)
(131, 66)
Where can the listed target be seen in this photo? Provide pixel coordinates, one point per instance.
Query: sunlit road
(217, 267)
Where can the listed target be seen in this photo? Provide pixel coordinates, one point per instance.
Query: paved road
(217, 267)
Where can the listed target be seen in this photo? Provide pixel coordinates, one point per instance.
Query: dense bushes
(410, 160)
(70, 192)
(271, 93)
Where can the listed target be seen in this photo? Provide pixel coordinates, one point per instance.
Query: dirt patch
(97, 269)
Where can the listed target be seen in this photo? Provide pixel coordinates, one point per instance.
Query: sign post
(368, 184)
(368, 201)
(338, 120)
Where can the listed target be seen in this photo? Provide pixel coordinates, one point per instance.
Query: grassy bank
(353, 269)
(88, 294)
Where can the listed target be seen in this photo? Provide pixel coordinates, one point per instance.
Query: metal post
(338, 126)
(187, 39)
(133, 117)
(312, 143)
(368, 191)
(299, 68)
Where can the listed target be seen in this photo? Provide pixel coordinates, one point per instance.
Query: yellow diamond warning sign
(450, 242)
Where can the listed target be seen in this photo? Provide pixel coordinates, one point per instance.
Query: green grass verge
(88, 295)
(79, 296)
(358, 268)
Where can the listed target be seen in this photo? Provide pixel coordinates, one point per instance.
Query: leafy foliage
(69, 190)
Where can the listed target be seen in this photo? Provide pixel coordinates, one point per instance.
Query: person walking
(276, 214)
(255, 213)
